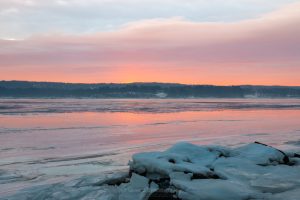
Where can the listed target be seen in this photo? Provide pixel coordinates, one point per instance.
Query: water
(53, 140)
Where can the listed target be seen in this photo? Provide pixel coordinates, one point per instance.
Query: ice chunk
(259, 154)
(212, 189)
(138, 182)
(182, 157)
(137, 188)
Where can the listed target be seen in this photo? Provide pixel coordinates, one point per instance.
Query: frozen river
(54, 140)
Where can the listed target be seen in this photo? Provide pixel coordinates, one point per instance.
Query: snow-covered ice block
(260, 154)
(237, 168)
(182, 157)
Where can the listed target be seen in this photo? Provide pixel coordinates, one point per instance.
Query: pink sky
(264, 50)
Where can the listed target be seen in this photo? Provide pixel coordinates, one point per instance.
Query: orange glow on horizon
(225, 74)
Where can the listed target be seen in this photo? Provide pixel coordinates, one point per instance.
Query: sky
(216, 42)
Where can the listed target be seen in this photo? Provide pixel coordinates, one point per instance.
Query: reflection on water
(50, 140)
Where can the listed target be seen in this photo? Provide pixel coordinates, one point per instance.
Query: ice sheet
(40, 145)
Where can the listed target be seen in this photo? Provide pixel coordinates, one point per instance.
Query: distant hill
(25, 89)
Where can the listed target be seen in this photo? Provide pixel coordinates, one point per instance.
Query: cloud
(90, 16)
(262, 50)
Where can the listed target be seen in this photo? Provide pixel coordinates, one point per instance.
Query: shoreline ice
(253, 171)
(189, 172)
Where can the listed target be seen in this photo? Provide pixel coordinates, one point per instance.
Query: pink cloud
(270, 43)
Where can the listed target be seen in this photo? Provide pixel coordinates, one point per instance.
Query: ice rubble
(253, 171)
(190, 172)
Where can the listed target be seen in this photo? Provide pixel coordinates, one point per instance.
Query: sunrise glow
(261, 49)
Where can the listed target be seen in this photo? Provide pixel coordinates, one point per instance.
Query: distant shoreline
(141, 83)
(54, 90)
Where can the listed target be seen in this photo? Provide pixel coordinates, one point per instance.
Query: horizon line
(153, 82)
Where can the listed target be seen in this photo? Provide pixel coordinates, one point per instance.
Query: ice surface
(69, 147)
(28, 106)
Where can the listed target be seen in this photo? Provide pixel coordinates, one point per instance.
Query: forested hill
(24, 89)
